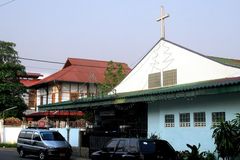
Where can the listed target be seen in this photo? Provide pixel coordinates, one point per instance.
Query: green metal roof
(218, 86)
(226, 61)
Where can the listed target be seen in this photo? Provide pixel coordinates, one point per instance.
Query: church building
(173, 92)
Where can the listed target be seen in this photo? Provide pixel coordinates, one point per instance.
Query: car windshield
(51, 136)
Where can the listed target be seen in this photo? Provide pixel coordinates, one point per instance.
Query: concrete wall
(10, 134)
(191, 67)
(180, 136)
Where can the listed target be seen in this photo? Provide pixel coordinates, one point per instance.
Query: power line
(55, 62)
(55, 69)
(39, 60)
(6, 3)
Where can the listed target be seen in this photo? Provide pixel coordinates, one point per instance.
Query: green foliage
(8, 145)
(114, 74)
(11, 89)
(227, 138)
(195, 154)
(154, 136)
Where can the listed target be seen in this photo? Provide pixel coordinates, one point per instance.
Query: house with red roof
(79, 78)
(30, 97)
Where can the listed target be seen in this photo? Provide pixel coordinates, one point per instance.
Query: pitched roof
(210, 87)
(226, 61)
(81, 70)
(29, 82)
(30, 79)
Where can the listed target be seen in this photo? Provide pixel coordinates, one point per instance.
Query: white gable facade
(186, 120)
(189, 65)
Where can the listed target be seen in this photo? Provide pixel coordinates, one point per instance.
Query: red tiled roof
(81, 70)
(29, 82)
(36, 75)
(31, 75)
(55, 114)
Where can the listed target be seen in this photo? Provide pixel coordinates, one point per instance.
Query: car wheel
(21, 153)
(42, 155)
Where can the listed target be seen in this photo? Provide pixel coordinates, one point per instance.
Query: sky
(118, 30)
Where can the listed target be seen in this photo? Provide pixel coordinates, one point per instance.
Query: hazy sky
(118, 30)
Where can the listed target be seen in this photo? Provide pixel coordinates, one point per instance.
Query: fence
(9, 134)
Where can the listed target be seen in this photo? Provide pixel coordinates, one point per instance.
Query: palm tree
(227, 138)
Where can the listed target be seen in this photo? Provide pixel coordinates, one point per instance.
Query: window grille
(169, 120)
(217, 118)
(184, 120)
(199, 119)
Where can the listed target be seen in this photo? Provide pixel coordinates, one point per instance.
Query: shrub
(8, 145)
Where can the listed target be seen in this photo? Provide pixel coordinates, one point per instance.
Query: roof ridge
(96, 60)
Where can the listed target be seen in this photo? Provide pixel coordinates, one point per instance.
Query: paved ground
(11, 154)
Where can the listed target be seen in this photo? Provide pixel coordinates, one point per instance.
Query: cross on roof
(162, 17)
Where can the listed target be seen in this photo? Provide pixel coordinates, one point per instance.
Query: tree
(227, 138)
(11, 90)
(114, 74)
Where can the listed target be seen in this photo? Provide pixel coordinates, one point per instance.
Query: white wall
(190, 66)
(10, 134)
(180, 136)
(74, 135)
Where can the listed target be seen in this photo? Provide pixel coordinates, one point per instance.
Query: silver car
(43, 143)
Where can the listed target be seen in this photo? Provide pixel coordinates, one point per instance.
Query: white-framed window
(199, 119)
(184, 119)
(169, 120)
(217, 118)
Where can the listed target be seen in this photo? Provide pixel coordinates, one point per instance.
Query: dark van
(43, 143)
(134, 149)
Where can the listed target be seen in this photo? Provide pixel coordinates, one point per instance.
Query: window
(184, 119)
(36, 137)
(28, 135)
(169, 77)
(217, 118)
(154, 80)
(121, 146)
(74, 96)
(52, 136)
(199, 119)
(22, 134)
(169, 120)
(111, 145)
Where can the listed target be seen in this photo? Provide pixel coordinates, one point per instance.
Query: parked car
(134, 148)
(43, 143)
